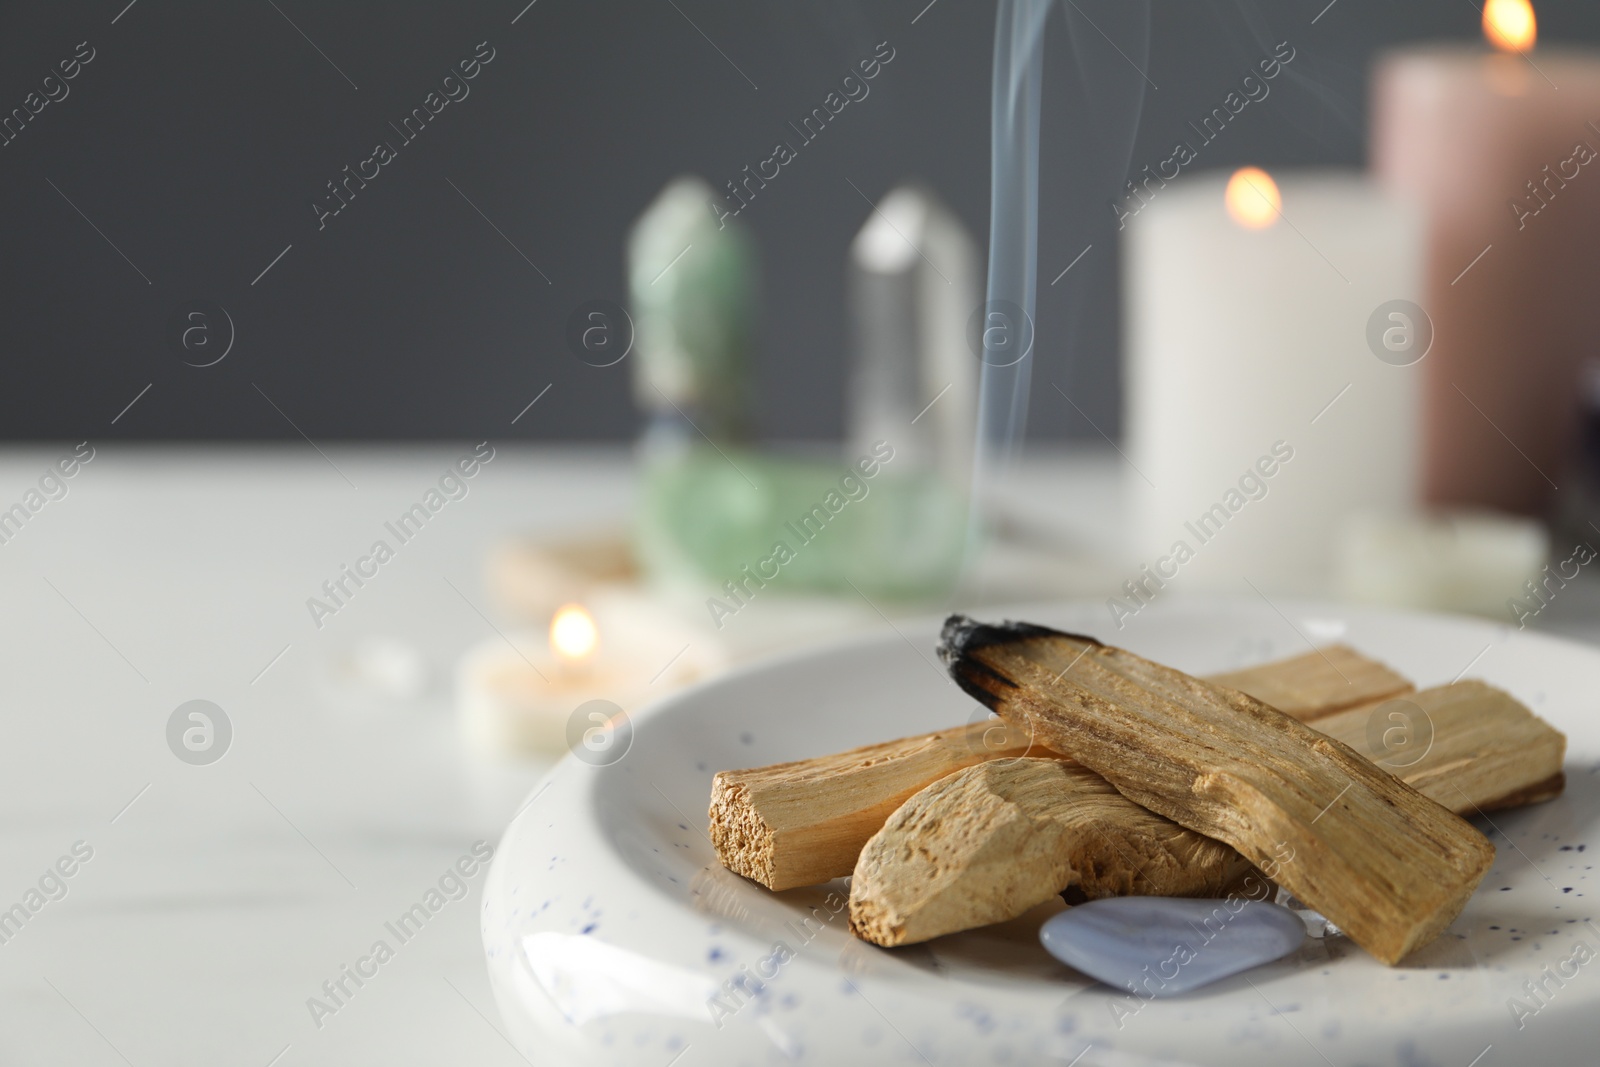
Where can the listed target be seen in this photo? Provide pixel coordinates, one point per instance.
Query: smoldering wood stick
(1391, 867)
(804, 822)
(989, 842)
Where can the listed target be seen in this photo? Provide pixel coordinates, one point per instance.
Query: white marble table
(220, 898)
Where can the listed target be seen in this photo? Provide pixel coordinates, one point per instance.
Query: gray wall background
(187, 154)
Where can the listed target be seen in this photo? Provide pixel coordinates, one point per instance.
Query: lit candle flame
(1510, 25)
(572, 633)
(1253, 199)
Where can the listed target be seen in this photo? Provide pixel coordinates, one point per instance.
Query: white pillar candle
(1258, 412)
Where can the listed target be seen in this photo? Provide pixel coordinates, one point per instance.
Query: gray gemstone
(1161, 946)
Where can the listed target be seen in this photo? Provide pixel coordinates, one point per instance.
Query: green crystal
(692, 284)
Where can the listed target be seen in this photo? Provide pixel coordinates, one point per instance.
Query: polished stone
(1162, 946)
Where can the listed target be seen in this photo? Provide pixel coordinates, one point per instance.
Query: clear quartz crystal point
(913, 280)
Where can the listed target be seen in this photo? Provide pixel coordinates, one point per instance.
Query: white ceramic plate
(612, 934)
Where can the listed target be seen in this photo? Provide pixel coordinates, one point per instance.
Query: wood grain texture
(804, 822)
(1318, 683)
(1389, 866)
(1469, 746)
(929, 871)
(989, 842)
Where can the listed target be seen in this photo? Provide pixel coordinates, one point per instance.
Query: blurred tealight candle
(573, 637)
(521, 693)
(1259, 408)
(1477, 562)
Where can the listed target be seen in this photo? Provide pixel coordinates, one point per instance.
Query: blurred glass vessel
(715, 513)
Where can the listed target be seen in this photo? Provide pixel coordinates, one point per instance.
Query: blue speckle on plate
(1162, 946)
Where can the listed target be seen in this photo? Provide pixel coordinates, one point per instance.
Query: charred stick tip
(963, 637)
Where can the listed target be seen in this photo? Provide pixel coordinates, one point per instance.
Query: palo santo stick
(1317, 683)
(804, 822)
(989, 842)
(1389, 866)
(932, 869)
(1469, 746)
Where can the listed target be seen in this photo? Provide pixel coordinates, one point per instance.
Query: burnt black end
(964, 637)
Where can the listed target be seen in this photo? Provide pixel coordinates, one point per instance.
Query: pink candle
(1501, 149)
